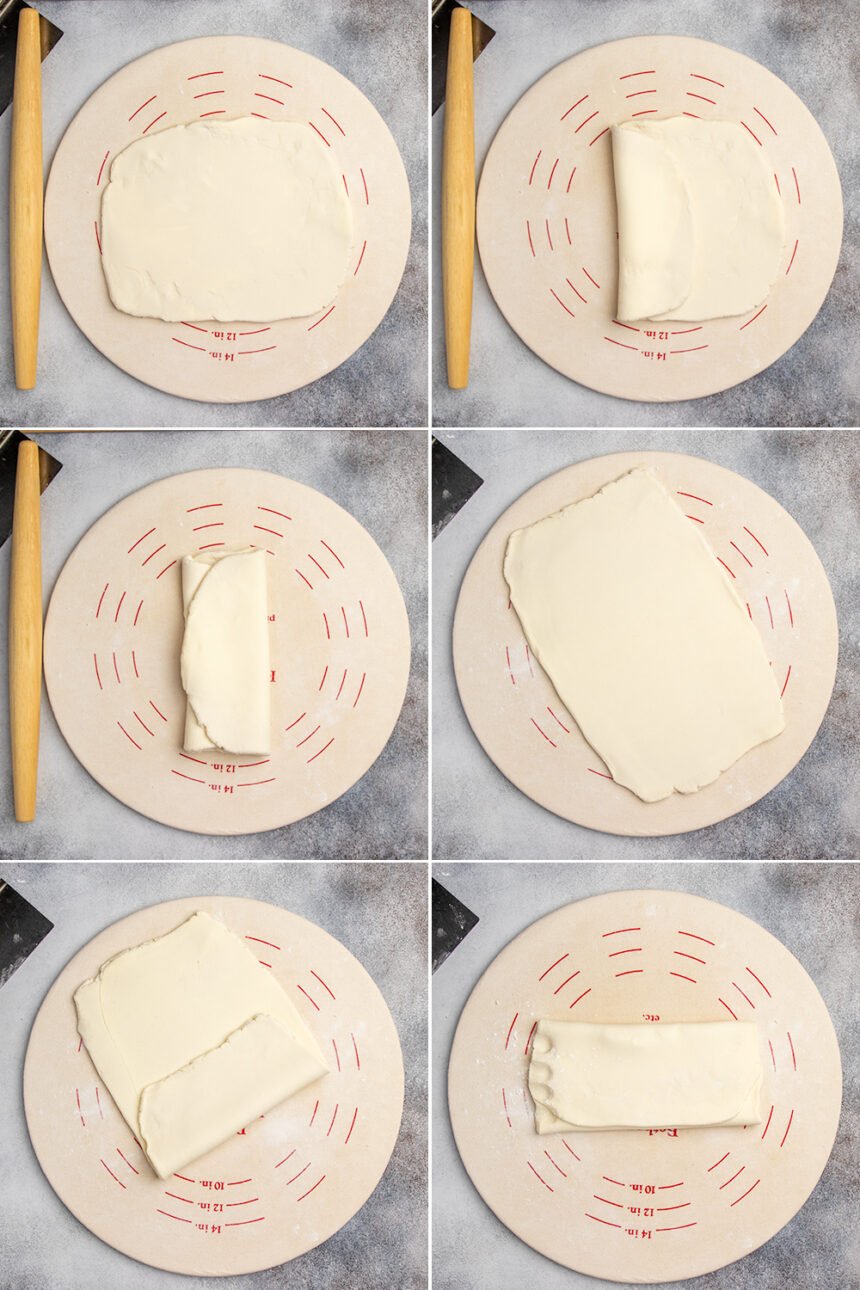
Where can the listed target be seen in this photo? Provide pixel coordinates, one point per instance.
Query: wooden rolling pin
(26, 199)
(25, 632)
(458, 200)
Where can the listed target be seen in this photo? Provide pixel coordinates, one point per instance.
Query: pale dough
(645, 1076)
(701, 226)
(225, 652)
(193, 1039)
(644, 638)
(245, 220)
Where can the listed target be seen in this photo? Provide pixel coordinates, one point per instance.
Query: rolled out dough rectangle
(193, 1039)
(645, 1076)
(645, 640)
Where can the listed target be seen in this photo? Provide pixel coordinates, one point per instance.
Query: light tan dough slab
(193, 1039)
(220, 363)
(707, 1196)
(516, 714)
(645, 639)
(546, 218)
(339, 639)
(588, 1076)
(292, 1180)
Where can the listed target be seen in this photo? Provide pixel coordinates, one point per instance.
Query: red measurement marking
(793, 254)
(759, 112)
(746, 1193)
(679, 1228)
(237, 1183)
(355, 1050)
(296, 722)
(571, 1150)
(630, 972)
(728, 1009)
(691, 95)
(791, 1046)
(670, 1186)
(574, 106)
(96, 666)
(360, 688)
(209, 545)
(310, 1189)
(234, 1204)
(286, 1158)
(324, 675)
(726, 567)
(128, 1162)
(360, 258)
(308, 997)
(261, 1219)
(188, 345)
(785, 682)
(188, 757)
(280, 103)
(531, 1034)
(634, 949)
(694, 115)
(155, 122)
(546, 736)
(692, 350)
(303, 578)
(567, 231)
(307, 737)
(208, 93)
(351, 1127)
(554, 1165)
(791, 621)
(681, 977)
(695, 518)
(112, 1174)
(719, 1162)
(555, 718)
(619, 931)
(537, 1175)
(529, 232)
(313, 1117)
(128, 736)
(697, 77)
(621, 344)
(602, 133)
(258, 939)
(208, 506)
(752, 132)
(651, 72)
(590, 279)
(645, 112)
(173, 562)
(761, 983)
(334, 122)
(733, 1177)
(102, 166)
(321, 320)
(265, 349)
(549, 235)
(184, 776)
(752, 320)
(98, 239)
(511, 1030)
(637, 93)
(682, 955)
(565, 982)
(321, 751)
(741, 554)
(577, 999)
(255, 783)
(141, 720)
(174, 1196)
(505, 1105)
(160, 713)
(626, 326)
(264, 77)
(176, 1216)
(592, 771)
(257, 332)
(313, 127)
(80, 1112)
(198, 76)
(755, 539)
(363, 614)
(570, 181)
(153, 555)
(345, 621)
(364, 181)
(578, 293)
(769, 1118)
(604, 1221)
(147, 534)
(142, 106)
(333, 1118)
(182, 1176)
(215, 524)
(551, 174)
(796, 184)
(616, 1203)
(194, 327)
(552, 965)
(585, 122)
(342, 684)
(769, 611)
(561, 302)
(336, 1054)
(534, 166)
(310, 557)
(667, 1209)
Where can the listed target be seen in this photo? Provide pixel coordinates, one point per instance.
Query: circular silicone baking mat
(282, 1186)
(650, 1206)
(221, 78)
(517, 715)
(547, 221)
(339, 640)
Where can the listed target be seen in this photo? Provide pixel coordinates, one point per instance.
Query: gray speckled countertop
(815, 812)
(42, 1245)
(383, 50)
(379, 476)
(813, 46)
(812, 909)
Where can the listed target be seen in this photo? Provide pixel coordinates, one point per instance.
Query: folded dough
(643, 637)
(225, 652)
(227, 220)
(645, 1076)
(193, 1039)
(701, 227)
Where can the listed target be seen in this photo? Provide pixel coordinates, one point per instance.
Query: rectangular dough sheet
(645, 1076)
(225, 652)
(193, 1039)
(644, 638)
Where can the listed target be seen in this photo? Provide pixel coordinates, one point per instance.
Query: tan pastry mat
(220, 78)
(547, 222)
(645, 1207)
(339, 639)
(285, 1184)
(517, 715)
